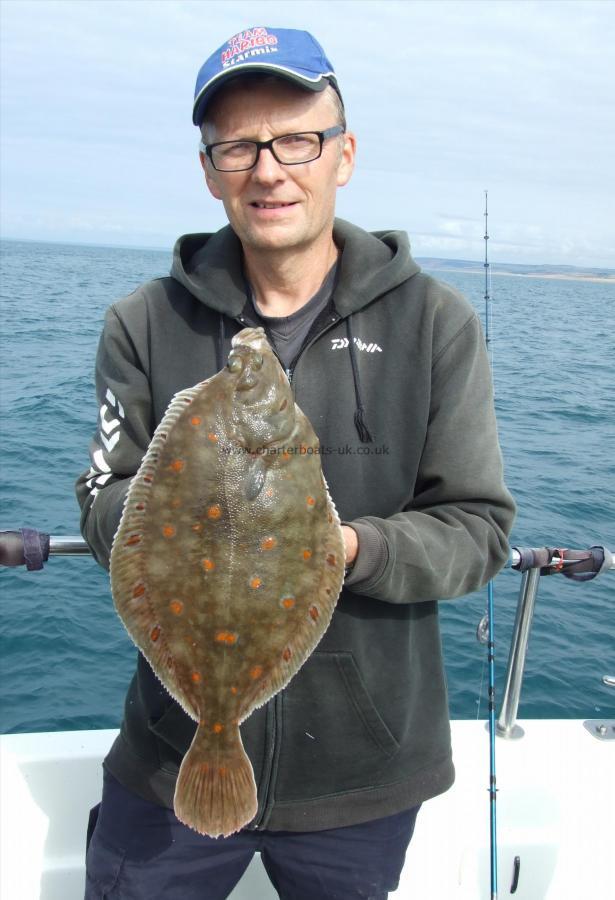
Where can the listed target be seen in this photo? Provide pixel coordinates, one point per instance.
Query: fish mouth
(254, 338)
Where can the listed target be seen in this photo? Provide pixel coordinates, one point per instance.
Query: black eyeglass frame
(322, 136)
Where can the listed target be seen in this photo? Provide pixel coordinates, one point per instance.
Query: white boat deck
(556, 811)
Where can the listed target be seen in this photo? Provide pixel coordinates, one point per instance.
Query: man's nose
(267, 168)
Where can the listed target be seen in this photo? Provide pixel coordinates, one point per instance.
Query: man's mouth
(265, 205)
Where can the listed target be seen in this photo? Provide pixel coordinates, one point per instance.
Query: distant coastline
(516, 270)
(602, 275)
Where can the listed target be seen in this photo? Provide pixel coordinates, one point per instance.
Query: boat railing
(31, 548)
(579, 565)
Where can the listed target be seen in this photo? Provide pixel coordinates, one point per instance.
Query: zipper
(333, 318)
(270, 763)
(273, 722)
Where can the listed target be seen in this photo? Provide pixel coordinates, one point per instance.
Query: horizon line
(169, 249)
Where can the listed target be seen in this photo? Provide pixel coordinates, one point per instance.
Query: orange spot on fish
(314, 612)
(310, 501)
(196, 677)
(204, 767)
(233, 690)
(226, 637)
(256, 672)
(133, 539)
(212, 437)
(268, 543)
(138, 591)
(222, 770)
(155, 633)
(214, 511)
(209, 565)
(269, 492)
(177, 465)
(255, 582)
(176, 607)
(307, 553)
(286, 655)
(176, 503)
(218, 728)
(285, 455)
(168, 531)
(196, 421)
(331, 559)
(288, 602)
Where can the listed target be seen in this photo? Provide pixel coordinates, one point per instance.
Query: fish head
(263, 404)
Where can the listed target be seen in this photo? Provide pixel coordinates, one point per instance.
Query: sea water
(66, 659)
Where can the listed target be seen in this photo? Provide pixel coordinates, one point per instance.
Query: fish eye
(234, 364)
(257, 361)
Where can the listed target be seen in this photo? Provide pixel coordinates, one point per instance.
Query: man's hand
(352, 544)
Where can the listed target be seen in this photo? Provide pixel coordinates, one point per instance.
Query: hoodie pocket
(174, 729)
(333, 737)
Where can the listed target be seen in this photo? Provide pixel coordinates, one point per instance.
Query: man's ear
(210, 177)
(347, 157)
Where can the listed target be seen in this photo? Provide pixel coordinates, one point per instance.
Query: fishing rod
(485, 631)
(487, 291)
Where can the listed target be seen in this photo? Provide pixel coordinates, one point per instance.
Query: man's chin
(278, 238)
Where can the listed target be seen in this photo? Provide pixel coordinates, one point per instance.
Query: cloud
(446, 98)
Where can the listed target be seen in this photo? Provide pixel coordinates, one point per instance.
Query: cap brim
(213, 86)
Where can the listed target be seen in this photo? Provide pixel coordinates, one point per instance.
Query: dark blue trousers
(140, 851)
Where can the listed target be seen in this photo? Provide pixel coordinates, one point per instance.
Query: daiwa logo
(342, 343)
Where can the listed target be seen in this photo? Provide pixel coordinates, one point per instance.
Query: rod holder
(506, 726)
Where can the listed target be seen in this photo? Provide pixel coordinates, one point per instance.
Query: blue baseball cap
(286, 52)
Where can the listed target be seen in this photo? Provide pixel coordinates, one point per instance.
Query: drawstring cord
(359, 415)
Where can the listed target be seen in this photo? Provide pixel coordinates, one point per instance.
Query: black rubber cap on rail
(26, 547)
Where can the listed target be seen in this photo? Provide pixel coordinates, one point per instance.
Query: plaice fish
(227, 565)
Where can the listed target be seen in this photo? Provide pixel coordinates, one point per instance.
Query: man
(389, 366)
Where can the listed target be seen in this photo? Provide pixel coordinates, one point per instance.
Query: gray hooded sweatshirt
(395, 380)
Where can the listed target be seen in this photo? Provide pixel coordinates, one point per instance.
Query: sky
(446, 99)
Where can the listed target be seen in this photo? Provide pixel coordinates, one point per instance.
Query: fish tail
(216, 792)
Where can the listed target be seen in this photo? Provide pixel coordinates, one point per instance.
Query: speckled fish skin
(226, 566)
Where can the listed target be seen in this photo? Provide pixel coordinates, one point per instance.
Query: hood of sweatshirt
(371, 264)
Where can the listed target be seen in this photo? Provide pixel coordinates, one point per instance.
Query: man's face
(306, 191)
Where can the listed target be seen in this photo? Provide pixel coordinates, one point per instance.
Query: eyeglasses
(288, 149)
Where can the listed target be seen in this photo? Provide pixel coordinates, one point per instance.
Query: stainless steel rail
(506, 724)
(506, 727)
(71, 545)
(74, 545)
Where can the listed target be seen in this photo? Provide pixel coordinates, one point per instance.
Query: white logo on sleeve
(342, 343)
(110, 419)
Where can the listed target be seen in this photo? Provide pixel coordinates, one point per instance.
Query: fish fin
(254, 481)
(216, 792)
